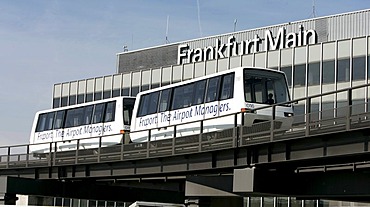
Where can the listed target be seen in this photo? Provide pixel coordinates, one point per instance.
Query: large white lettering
(233, 48)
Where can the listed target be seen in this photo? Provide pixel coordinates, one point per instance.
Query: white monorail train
(208, 97)
(108, 118)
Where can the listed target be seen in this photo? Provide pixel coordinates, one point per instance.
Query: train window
(212, 89)
(144, 104)
(59, 118)
(110, 111)
(164, 101)
(74, 117)
(153, 103)
(148, 104)
(128, 106)
(49, 121)
(266, 87)
(227, 90)
(269, 96)
(45, 122)
(183, 96)
(98, 113)
(199, 91)
(88, 114)
(258, 93)
(248, 92)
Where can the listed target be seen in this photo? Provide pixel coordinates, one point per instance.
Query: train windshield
(265, 87)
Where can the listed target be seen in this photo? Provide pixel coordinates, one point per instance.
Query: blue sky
(43, 42)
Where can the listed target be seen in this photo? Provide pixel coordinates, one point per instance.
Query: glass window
(59, 119)
(299, 75)
(80, 98)
(89, 97)
(164, 102)
(144, 104)
(328, 72)
(134, 90)
(212, 89)
(359, 67)
(125, 91)
(227, 89)
(310, 203)
(110, 111)
(98, 113)
(295, 203)
(106, 94)
(153, 103)
(265, 87)
(88, 114)
(327, 110)
(199, 91)
(313, 74)
(128, 107)
(74, 117)
(72, 100)
(64, 101)
(343, 70)
(45, 122)
(258, 92)
(148, 104)
(98, 96)
(282, 202)
(56, 102)
(183, 96)
(116, 92)
(255, 201)
(268, 202)
(288, 72)
(49, 121)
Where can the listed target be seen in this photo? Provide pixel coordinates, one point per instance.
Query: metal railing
(345, 116)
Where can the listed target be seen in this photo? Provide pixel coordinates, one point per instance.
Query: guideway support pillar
(6, 198)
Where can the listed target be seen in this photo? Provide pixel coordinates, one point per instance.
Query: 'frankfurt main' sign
(234, 48)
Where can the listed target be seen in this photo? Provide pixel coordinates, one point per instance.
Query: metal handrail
(197, 143)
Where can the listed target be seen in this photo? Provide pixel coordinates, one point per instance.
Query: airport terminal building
(318, 55)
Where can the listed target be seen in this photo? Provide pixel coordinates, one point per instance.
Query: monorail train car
(108, 118)
(208, 97)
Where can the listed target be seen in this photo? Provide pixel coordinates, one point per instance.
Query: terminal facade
(318, 55)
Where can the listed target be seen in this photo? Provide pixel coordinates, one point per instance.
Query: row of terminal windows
(341, 70)
(91, 114)
(328, 75)
(203, 91)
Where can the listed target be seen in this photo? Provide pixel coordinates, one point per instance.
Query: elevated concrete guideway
(306, 161)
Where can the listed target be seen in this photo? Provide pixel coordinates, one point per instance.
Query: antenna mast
(168, 19)
(235, 21)
(313, 9)
(200, 27)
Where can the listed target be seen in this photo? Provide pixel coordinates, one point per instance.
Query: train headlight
(288, 114)
(245, 110)
(121, 131)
